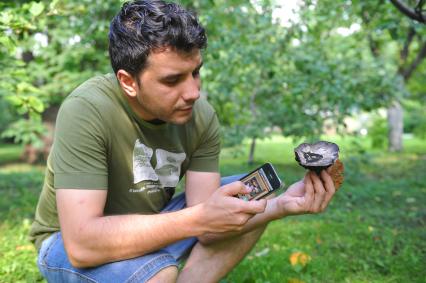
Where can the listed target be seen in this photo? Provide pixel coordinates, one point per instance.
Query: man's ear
(127, 83)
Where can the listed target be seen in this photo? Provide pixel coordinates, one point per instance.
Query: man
(106, 212)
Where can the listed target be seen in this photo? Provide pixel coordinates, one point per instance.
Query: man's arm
(92, 239)
(311, 195)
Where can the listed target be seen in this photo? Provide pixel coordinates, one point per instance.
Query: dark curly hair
(144, 25)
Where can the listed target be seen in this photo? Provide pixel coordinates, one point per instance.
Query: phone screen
(259, 184)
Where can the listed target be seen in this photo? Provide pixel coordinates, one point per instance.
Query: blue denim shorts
(54, 265)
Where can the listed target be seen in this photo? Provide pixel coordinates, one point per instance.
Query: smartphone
(263, 181)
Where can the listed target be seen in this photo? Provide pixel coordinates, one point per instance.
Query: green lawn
(373, 231)
(9, 153)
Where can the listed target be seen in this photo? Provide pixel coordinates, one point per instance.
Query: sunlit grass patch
(373, 231)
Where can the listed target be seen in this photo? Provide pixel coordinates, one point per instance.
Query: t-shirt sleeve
(79, 153)
(206, 156)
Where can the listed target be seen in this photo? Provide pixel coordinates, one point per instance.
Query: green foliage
(378, 132)
(47, 49)
(258, 74)
(26, 132)
(17, 23)
(6, 115)
(415, 118)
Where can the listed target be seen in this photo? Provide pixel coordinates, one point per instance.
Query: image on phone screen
(258, 183)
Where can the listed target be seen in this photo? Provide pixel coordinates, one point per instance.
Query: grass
(9, 153)
(373, 231)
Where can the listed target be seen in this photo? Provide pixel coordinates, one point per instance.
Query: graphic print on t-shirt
(166, 173)
(168, 167)
(142, 169)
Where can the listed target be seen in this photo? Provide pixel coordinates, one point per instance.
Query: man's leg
(214, 261)
(159, 266)
(54, 265)
(210, 263)
(166, 275)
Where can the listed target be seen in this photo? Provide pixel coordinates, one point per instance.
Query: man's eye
(172, 81)
(196, 73)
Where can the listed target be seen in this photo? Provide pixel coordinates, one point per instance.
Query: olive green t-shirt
(101, 144)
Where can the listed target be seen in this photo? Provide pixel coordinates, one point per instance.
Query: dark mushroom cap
(317, 156)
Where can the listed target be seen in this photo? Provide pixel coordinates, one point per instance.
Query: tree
(417, 13)
(407, 39)
(49, 48)
(258, 74)
(17, 22)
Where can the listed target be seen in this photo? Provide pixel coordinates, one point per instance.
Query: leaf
(6, 17)
(299, 258)
(36, 104)
(410, 200)
(14, 100)
(53, 4)
(8, 43)
(25, 248)
(36, 8)
(263, 252)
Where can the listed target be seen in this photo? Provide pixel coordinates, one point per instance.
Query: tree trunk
(395, 126)
(251, 154)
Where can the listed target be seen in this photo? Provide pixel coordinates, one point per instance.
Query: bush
(6, 115)
(414, 118)
(378, 132)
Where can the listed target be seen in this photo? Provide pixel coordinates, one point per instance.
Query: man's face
(169, 86)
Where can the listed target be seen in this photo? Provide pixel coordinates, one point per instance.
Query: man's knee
(166, 275)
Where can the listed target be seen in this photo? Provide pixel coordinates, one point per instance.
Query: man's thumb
(235, 188)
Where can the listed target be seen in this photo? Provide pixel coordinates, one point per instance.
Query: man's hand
(310, 195)
(223, 212)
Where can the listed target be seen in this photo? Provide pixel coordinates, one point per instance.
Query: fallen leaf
(299, 258)
(25, 248)
(295, 280)
(263, 252)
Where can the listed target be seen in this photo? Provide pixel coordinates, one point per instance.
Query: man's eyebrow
(177, 75)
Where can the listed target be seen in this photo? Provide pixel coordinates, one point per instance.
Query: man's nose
(192, 90)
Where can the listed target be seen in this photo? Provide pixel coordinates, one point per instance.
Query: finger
(242, 220)
(329, 187)
(327, 181)
(234, 188)
(309, 192)
(319, 192)
(253, 207)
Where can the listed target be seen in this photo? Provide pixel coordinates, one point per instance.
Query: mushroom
(319, 156)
